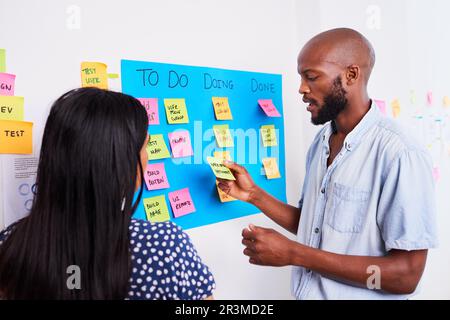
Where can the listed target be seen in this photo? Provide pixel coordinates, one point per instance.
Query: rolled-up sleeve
(407, 210)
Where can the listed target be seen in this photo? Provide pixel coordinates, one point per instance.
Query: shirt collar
(354, 137)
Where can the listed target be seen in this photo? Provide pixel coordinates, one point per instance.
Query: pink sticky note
(269, 108)
(381, 105)
(7, 84)
(430, 98)
(181, 202)
(180, 142)
(436, 174)
(151, 105)
(155, 176)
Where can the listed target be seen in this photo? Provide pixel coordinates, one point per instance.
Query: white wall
(254, 35)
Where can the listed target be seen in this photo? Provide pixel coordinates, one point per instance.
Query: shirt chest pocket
(347, 208)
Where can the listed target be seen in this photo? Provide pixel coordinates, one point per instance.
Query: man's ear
(352, 75)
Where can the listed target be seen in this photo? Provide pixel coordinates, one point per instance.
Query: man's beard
(334, 103)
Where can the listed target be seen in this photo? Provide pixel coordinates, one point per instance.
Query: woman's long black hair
(89, 162)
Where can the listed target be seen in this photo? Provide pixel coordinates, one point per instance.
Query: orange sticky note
(446, 101)
(93, 74)
(16, 137)
(222, 108)
(224, 197)
(395, 105)
(271, 168)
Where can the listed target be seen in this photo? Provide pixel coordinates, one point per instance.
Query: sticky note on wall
(395, 105)
(225, 155)
(180, 142)
(222, 108)
(271, 168)
(181, 202)
(157, 148)
(93, 74)
(151, 105)
(2, 60)
(156, 209)
(219, 170)
(268, 107)
(269, 137)
(11, 108)
(155, 176)
(223, 136)
(7, 84)
(381, 104)
(176, 111)
(16, 137)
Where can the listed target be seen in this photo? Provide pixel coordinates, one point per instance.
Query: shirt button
(316, 230)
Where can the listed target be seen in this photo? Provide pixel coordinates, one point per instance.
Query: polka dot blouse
(165, 264)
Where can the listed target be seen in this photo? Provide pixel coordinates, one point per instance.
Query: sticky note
(180, 143)
(151, 105)
(156, 209)
(176, 111)
(224, 155)
(181, 202)
(395, 105)
(113, 75)
(446, 101)
(436, 174)
(381, 104)
(93, 74)
(222, 108)
(220, 171)
(155, 176)
(157, 148)
(7, 84)
(269, 137)
(223, 196)
(16, 137)
(2, 60)
(271, 168)
(11, 108)
(269, 108)
(223, 136)
(430, 98)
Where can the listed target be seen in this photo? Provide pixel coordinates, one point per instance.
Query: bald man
(366, 216)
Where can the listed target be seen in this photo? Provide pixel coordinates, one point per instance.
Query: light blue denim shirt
(377, 195)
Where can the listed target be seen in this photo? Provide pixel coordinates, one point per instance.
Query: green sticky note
(176, 111)
(220, 171)
(157, 148)
(2, 60)
(223, 136)
(11, 108)
(156, 209)
(269, 137)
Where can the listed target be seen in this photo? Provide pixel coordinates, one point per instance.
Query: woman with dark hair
(91, 163)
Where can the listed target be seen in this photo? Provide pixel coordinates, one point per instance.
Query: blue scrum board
(197, 85)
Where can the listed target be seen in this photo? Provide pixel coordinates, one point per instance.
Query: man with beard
(366, 217)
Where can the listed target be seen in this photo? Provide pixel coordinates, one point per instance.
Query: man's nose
(304, 89)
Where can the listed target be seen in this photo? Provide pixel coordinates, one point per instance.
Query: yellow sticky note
(93, 74)
(395, 105)
(224, 155)
(223, 196)
(11, 108)
(16, 137)
(269, 137)
(176, 111)
(2, 60)
(222, 108)
(156, 209)
(223, 136)
(157, 148)
(446, 101)
(220, 171)
(271, 168)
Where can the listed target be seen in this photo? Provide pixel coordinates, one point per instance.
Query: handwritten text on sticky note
(16, 137)
(223, 136)
(151, 105)
(157, 148)
(220, 171)
(271, 168)
(268, 107)
(269, 137)
(176, 111)
(156, 209)
(222, 108)
(11, 108)
(93, 74)
(181, 202)
(7, 84)
(180, 142)
(223, 196)
(155, 176)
